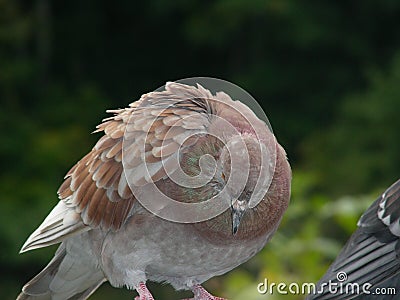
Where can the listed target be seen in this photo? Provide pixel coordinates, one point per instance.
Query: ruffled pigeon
(184, 185)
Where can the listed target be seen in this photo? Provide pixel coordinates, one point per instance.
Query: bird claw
(144, 293)
(212, 298)
(201, 293)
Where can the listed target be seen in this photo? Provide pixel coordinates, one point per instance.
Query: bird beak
(237, 214)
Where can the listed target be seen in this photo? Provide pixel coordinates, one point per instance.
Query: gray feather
(67, 276)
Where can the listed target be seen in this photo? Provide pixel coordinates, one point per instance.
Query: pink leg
(200, 293)
(144, 293)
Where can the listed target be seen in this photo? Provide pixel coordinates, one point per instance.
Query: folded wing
(95, 192)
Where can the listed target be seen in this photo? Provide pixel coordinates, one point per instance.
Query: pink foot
(144, 293)
(201, 294)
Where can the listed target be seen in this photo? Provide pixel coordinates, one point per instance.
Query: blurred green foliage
(326, 72)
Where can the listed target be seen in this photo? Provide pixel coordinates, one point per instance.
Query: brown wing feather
(96, 176)
(96, 186)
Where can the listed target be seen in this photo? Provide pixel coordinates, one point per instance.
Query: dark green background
(327, 74)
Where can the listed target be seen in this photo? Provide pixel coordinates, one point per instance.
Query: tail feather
(65, 277)
(61, 223)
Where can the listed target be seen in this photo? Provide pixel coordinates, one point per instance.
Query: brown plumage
(181, 134)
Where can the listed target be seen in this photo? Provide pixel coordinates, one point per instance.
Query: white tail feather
(62, 222)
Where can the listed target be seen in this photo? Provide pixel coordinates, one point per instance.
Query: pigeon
(368, 266)
(184, 185)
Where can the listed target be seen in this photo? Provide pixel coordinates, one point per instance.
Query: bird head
(244, 173)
